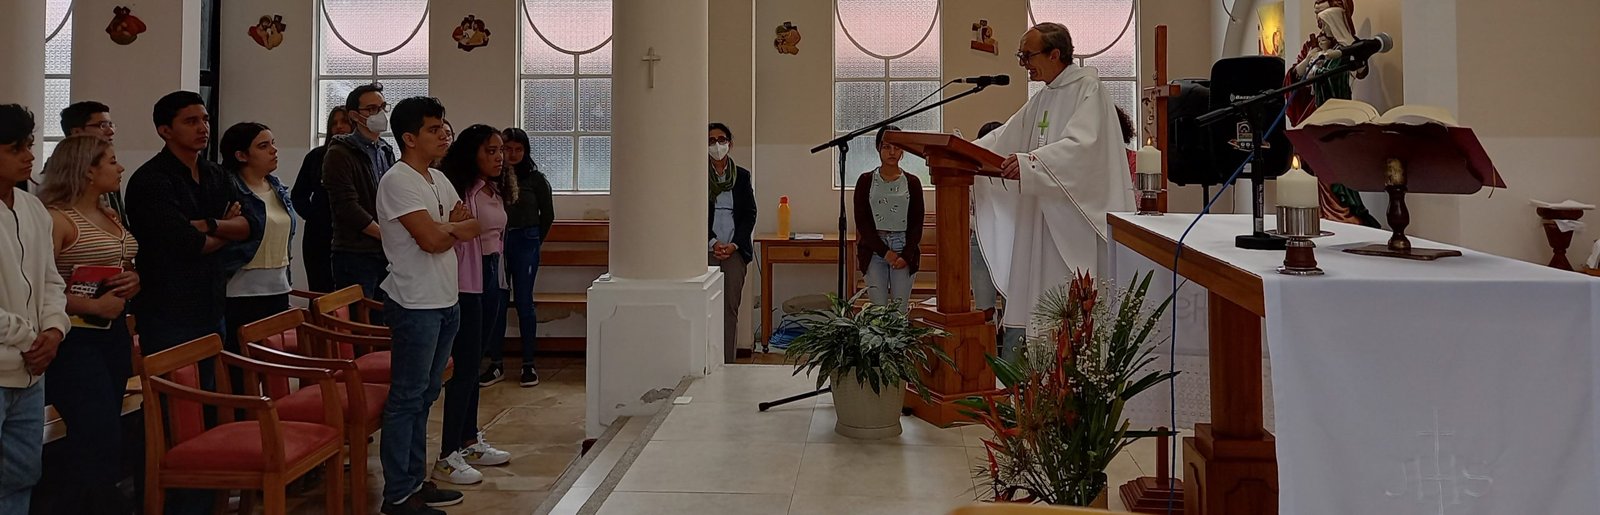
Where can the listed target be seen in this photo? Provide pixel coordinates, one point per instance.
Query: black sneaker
(432, 495)
(494, 374)
(529, 377)
(411, 506)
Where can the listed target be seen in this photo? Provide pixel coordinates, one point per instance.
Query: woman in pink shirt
(476, 168)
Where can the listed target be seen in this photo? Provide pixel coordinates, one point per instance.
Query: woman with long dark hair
(93, 363)
(888, 207)
(258, 284)
(311, 201)
(529, 217)
(476, 169)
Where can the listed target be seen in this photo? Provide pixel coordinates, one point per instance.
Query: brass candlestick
(1300, 225)
(1149, 188)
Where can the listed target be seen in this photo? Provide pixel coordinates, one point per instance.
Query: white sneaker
(454, 469)
(483, 454)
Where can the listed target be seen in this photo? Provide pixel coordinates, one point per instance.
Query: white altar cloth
(1462, 386)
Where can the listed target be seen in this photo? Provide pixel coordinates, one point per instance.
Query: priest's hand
(1011, 169)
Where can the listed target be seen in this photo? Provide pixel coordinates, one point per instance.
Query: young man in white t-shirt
(421, 218)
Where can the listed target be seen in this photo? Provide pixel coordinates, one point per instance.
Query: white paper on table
(1568, 225)
(1566, 204)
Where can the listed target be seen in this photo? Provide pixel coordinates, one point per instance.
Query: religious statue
(124, 27)
(788, 39)
(983, 38)
(1335, 28)
(268, 32)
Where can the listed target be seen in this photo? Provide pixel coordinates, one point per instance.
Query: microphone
(1364, 49)
(987, 80)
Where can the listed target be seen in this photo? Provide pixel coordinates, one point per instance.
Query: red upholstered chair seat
(374, 367)
(236, 446)
(305, 404)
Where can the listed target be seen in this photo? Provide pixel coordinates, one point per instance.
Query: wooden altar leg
(1230, 465)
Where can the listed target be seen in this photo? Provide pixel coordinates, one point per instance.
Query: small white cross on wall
(650, 58)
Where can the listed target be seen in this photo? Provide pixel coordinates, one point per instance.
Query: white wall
(478, 86)
(23, 61)
(131, 78)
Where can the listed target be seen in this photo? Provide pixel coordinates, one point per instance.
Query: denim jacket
(238, 254)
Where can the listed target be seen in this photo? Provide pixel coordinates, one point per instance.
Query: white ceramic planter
(865, 414)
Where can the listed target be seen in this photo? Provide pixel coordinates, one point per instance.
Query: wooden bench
(56, 429)
(571, 243)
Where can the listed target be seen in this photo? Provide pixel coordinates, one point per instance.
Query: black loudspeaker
(1189, 144)
(1238, 78)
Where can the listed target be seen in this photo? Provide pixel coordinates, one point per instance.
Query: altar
(1466, 385)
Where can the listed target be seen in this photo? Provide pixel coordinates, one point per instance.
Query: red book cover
(89, 281)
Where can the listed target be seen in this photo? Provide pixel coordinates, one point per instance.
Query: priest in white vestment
(1066, 167)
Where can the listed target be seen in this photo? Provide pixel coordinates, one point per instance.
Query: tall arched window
(57, 72)
(365, 41)
(566, 91)
(1105, 36)
(881, 68)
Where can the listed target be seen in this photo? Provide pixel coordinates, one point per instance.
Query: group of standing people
(439, 232)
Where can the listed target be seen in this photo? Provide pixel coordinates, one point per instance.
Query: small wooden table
(775, 249)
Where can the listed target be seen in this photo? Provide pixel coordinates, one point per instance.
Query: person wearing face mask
(350, 172)
(732, 219)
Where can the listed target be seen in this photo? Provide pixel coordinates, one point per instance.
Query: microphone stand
(1256, 111)
(843, 142)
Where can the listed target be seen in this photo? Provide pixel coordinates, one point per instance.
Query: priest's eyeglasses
(1022, 56)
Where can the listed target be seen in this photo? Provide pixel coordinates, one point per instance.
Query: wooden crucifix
(650, 58)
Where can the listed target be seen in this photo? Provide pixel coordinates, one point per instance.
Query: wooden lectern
(952, 163)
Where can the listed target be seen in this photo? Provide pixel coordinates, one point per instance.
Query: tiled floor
(541, 426)
(718, 454)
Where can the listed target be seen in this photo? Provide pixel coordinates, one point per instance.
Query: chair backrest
(278, 332)
(337, 303)
(180, 365)
(330, 343)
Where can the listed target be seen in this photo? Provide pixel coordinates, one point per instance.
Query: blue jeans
(481, 315)
(360, 268)
(983, 290)
(421, 348)
(522, 258)
(21, 445)
(883, 280)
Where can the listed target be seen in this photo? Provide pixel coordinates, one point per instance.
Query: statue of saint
(1335, 28)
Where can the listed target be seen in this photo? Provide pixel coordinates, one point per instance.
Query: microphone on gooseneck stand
(987, 80)
(1364, 49)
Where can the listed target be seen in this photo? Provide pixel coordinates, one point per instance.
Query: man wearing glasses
(94, 118)
(1065, 149)
(350, 173)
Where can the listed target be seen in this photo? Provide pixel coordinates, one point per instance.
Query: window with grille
(57, 73)
(1105, 36)
(565, 100)
(365, 41)
(880, 69)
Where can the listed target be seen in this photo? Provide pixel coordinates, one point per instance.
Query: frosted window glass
(887, 27)
(1125, 94)
(57, 94)
(58, 51)
(850, 62)
(597, 62)
(594, 105)
(1118, 61)
(554, 156)
(411, 59)
(594, 163)
(376, 25)
(856, 104)
(332, 93)
(920, 63)
(339, 59)
(573, 25)
(540, 59)
(548, 105)
(903, 94)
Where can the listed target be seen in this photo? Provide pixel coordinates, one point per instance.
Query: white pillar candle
(1149, 159)
(1297, 188)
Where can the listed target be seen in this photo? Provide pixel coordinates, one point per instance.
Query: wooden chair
(362, 402)
(366, 344)
(261, 452)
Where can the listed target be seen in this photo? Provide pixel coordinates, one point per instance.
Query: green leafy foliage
(1058, 420)
(877, 345)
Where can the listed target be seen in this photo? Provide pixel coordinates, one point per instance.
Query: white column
(130, 78)
(479, 86)
(22, 31)
(657, 316)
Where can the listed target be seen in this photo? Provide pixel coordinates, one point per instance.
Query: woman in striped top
(92, 365)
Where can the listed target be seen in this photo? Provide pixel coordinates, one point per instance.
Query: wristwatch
(211, 227)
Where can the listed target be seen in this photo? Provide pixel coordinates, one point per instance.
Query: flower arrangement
(1057, 421)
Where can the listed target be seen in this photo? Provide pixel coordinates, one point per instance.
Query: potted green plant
(869, 355)
(1057, 421)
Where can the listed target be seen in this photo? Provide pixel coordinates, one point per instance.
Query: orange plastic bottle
(783, 217)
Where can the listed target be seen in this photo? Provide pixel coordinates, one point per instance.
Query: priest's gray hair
(1056, 37)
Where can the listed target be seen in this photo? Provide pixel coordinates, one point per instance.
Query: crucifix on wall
(650, 58)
